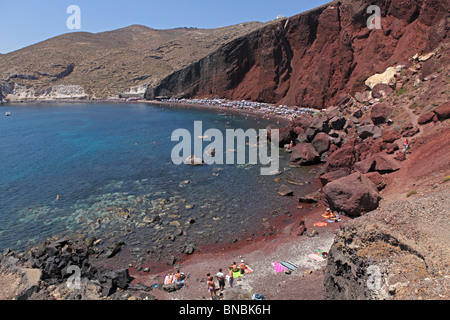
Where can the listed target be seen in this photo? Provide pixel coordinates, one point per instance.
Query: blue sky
(25, 22)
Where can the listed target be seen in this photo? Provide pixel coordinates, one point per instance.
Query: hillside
(312, 58)
(108, 63)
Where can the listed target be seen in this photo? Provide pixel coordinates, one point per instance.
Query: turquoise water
(102, 159)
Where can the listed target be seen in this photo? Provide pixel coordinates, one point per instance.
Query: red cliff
(311, 58)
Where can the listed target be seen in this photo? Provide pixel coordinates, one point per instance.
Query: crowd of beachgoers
(260, 107)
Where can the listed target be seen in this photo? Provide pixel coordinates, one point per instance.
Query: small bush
(401, 91)
(411, 193)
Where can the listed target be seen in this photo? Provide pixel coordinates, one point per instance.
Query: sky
(25, 22)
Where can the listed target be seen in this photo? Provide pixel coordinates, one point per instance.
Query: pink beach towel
(278, 267)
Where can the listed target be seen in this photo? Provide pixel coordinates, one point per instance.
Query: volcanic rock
(352, 195)
(305, 154)
(321, 142)
(380, 112)
(332, 176)
(343, 159)
(285, 191)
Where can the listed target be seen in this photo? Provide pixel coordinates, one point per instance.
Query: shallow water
(111, 166)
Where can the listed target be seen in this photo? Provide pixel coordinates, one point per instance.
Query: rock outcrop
(398, 252)
(352, 195)
(311, 58)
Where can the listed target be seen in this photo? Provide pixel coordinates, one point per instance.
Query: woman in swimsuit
(211, 287)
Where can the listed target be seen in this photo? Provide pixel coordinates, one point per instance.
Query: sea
(105, 171)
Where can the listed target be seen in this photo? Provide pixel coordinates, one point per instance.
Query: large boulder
(385, 163)
(287, 135)
(321, 142)
(427, 118)
(381, 90)
(352, 195)
(367, 131)
(343, 158)
(380, 113)
(305, 154)
(332, 176)
(391, 135)
(443, 111)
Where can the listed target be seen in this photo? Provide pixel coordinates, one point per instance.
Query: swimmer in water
(57, 197)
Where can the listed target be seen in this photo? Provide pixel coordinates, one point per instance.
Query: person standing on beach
(211, 287)
(221, 278)
(230, 278)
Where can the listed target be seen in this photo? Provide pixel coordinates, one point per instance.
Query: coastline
(277, 233)
(279, 120)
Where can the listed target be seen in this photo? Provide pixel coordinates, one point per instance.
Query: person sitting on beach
(291, 145)
(234, 267)
(242, 267)
(329, 214)
(178, 278)
(168, 279)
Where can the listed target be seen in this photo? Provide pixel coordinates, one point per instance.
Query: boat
(7, 114)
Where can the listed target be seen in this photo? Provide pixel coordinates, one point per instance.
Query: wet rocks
(285, 191)
(53, 265)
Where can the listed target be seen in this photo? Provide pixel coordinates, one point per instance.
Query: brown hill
(311, 58)
(112, 62)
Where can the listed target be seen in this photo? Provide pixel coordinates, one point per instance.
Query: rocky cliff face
(398, 252)
(311, 58)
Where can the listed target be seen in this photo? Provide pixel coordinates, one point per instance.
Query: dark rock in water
(352, 195)
(114, 250)
(285, 191)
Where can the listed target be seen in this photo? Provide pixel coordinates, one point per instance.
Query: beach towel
(320, 224)
(289, 265)
(238, 273)
(316, 257)
(278, 267)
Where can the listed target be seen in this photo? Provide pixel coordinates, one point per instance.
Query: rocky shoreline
(359, 147)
